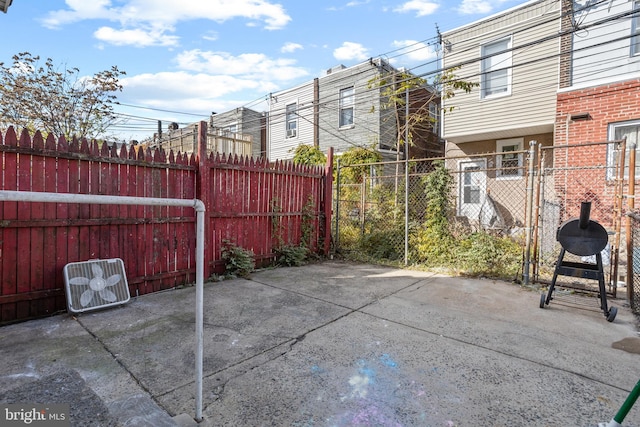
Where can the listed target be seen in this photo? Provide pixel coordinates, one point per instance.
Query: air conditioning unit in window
(291, 133)
(95, 284)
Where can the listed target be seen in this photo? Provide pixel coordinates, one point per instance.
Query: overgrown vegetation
(358, 162)
(287, 254)
(308, 155)
(238, 262)
(432, 241)
(375, 232)
(291, 255)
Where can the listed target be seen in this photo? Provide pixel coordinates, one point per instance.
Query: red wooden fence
(252, 203)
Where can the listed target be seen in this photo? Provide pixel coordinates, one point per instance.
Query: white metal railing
(196, 204)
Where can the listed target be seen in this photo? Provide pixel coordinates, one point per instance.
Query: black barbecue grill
(582, 237)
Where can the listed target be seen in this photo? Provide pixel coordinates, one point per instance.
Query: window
(618, 131)
(635, 29)
(347, 98)
(292, 120)
(231, 128)
(434, 115)
(470, 190)
(496, 69)
(509, 161)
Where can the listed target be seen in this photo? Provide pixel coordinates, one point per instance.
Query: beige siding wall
(534, 75)
(508, 194)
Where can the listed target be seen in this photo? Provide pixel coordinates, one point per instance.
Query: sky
(185, 59)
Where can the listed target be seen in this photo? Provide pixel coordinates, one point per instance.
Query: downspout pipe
(196, 204)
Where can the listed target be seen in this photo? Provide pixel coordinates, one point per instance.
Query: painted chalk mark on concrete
(377, 395)
(378, 392)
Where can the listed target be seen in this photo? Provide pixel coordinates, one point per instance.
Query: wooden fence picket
(245, 198)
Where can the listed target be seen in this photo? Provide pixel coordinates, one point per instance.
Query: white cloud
(163, 15)
(135, 37)
(413, 50)
(183, 91)
(251, 65)
(207, 81)
(475, 6)
(290, 47)
(357, 3)
(175, 84)
(421, 7)
(354, 3)
(351, 51)
(469, 7)
(211, 36)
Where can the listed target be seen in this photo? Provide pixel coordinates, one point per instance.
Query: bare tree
(57, 100)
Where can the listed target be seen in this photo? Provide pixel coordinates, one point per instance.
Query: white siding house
(340, 110)
(290, 120)
(606, 42)
(350, 112)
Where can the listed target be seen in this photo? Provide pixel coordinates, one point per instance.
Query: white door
(472, 188)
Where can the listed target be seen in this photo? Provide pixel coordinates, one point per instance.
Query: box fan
(95, 284)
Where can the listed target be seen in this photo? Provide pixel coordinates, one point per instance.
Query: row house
(243, 122)
(343, 109)
(513, 58)
(240, 132)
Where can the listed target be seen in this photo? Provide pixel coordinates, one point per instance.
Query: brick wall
(616, 102)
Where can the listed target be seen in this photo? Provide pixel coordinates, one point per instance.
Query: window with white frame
(510, 159)
(617, 132)
(291, 120)
(635, 29)
(496, 68)
(347, 102)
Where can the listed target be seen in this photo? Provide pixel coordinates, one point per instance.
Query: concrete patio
(333, 344)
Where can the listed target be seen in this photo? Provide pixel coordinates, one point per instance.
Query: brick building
(599, 97)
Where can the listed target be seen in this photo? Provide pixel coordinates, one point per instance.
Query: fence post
(615, 253)
(336, 241)
(631, 204)
(328, 202)
(529, 212)
(203, 190)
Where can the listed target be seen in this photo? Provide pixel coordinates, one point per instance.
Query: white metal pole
(200, 210)
(196, 204)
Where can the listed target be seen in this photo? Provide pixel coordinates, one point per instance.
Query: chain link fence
(491, 214)
(390, 211)
(569, 175)
(634, 269)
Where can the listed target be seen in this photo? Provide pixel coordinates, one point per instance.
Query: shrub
(238, 262)
(308, 155)
(483, 254)
(291, 255)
